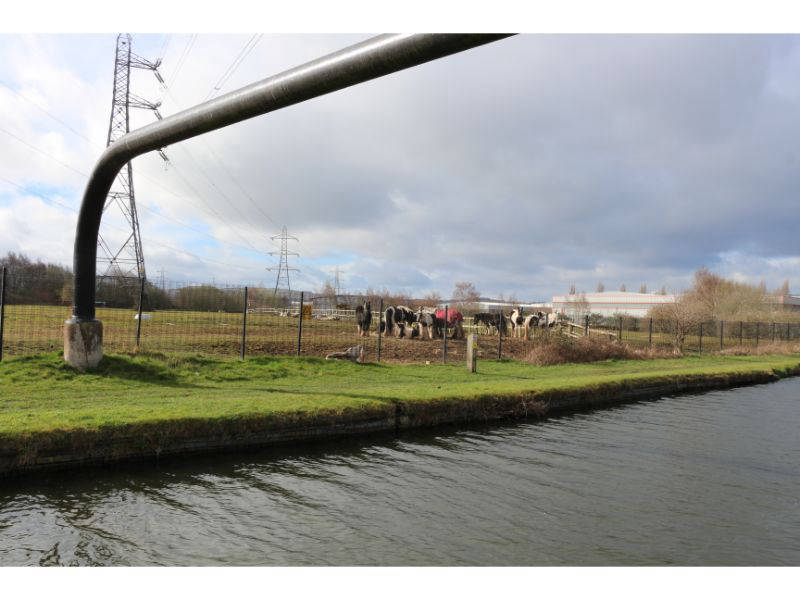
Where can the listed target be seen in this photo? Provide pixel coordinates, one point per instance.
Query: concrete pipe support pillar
(83, 343)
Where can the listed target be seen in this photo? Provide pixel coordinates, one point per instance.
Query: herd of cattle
(402, 322)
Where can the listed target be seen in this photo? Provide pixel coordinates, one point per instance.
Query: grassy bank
(41, 394)
(147, 406)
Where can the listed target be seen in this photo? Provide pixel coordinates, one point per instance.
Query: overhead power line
(86, 176)
(149, 241)
(215, 186)
(47, 112)
(42, 152)
(197, 231)
(163, 52)
(199, 196)
(248, 47)
(241, 188)
(187, 49)
(222, 165)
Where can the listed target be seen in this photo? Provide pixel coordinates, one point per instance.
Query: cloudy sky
(523, 166)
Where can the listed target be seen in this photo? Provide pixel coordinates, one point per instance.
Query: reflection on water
(708, 479)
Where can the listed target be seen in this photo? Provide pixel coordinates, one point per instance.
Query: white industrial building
(609, 303)
(492, 306)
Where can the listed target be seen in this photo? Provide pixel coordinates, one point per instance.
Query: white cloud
(30, 226)
(523, 166)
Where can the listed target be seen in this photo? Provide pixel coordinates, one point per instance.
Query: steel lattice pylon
(283, 267)
(127, 261)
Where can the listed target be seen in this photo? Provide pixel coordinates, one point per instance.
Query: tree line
(30, 281)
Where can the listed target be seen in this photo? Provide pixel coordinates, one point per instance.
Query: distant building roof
(617, 298)
(609, 303)
(489, 303)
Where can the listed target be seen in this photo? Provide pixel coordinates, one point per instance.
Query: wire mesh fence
(224, 320)
(699, 336)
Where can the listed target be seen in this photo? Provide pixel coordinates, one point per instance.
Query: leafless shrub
(557, 349)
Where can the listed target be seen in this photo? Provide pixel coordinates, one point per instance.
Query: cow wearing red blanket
(455, 322)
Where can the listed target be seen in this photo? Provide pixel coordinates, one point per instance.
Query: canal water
(711, 479)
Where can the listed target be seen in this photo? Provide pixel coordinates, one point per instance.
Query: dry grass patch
(776, 348)
(558, 350)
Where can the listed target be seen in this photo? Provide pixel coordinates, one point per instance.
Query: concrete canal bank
(149, 440)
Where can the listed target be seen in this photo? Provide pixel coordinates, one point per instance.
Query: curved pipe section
(370, 59)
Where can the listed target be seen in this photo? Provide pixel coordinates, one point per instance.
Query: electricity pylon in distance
(283, 267)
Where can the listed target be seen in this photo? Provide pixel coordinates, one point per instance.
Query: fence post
(244, 325)
(773, 333)
(586, 326)
(650, 333)
(758, 327)
(788, 333)
(300, 324)
(741, 324)
(2, 308)
(139, 318)
(500, 323)
(701, 338)
(444, 336)
(472, 352)
(721, 334)
(380, 322)
(620, 329)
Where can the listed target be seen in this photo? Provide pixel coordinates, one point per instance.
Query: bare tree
(465, 295)
(784, 289)
(643, 288)
(662, 291)
(580, 309)
(723, 298)
(432, 298)
(711, 297)
(389, 298)
(327, 289)
(572, 289)
(680, 317)
(601, 287)
(465, 292)
(622, 288)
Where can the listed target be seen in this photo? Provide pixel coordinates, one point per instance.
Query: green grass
(41, 394)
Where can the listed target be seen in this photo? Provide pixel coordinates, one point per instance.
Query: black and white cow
(387, 327)
(404, 314)
(429, 323)
(517, 320)
(406, 330)
(529, 323)
(488, 320)
(363, 318)
(499, 322)
(395, 318)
